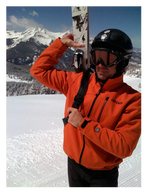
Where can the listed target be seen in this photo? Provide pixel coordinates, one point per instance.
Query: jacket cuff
(84, 123)
(62, 44)
(87, 124)
(58, 45)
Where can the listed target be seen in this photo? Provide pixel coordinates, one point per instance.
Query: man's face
(101, 57)
(105, 73)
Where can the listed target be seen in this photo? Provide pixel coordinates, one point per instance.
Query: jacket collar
(111, 84)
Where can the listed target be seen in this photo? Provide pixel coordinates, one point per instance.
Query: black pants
(79, 176)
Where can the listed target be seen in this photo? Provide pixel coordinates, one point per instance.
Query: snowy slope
(35, 156)
(132, 81)
(34, 141)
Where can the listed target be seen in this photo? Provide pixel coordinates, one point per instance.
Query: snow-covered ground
(15, 79)
(35, 156)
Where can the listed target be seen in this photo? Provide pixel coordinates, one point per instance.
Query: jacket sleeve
(121, 141)
(44, 71)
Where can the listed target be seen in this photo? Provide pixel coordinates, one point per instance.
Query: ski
(80, 22)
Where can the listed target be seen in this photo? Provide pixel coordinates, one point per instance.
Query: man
(106, 127)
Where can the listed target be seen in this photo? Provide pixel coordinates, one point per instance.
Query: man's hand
(68, 40)
(75, 117)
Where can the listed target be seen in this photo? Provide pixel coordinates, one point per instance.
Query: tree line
(30, 86)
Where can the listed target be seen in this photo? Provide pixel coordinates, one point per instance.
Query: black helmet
(116, 42)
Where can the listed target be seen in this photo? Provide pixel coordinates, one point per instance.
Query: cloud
(33, 13)
(22, 23)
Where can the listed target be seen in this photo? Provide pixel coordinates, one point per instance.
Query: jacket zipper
(88, 116)
(103, 107)
(82, 149)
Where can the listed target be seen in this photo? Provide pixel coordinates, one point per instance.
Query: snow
(36, 112)
(35, 156)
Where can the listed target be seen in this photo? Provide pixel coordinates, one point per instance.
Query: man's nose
(101, 66)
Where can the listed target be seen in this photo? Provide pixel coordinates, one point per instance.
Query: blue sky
(58, 19)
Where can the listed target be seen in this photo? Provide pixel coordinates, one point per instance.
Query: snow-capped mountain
(23, 48)
(40, 36)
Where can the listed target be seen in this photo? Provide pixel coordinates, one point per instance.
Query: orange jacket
(113, 128)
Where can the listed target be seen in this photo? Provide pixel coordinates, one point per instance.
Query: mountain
(23, 48)
(136, 56)
(39, 35)
(33, 41)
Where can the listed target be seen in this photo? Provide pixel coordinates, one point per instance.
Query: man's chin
(102, 76)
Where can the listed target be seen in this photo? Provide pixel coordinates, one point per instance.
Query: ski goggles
(105, 57)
